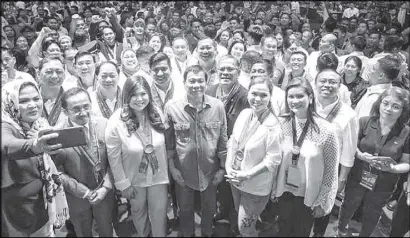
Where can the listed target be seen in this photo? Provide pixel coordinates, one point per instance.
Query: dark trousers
(320, 225)
(373, 207)
(295, 218)
(186, 202)
(400, 222)
(226, 204)
(101, 212)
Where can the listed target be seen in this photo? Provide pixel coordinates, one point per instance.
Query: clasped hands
(236, 177)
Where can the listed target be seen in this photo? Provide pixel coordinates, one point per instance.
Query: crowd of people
(252, 112)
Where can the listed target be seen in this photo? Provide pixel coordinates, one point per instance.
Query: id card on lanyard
(369, 178)
(293, 173)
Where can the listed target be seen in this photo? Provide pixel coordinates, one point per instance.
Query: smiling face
(259, 97)
(85, 66)
(391, 108)
(258, 70)
(228, 72)
(30, 104)
(52, 74)
(65, 43)
(161, 72)
(108, 36)
(328, 84)
(269, 48)
(129, 59)
(206, 49)
(139, 99)
(238, 50)
(351, 68)
(155, 43)
(298, 101)
(78, 108)
(108, 76)
(180, 48)
(195, 84)
(297, 62)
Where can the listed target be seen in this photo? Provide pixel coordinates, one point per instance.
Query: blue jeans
(372, 209)
(186, 203)
(249, 207)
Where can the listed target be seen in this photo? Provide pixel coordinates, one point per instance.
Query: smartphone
(69, 137)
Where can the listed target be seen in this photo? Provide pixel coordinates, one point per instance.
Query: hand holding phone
(68, 137)
(41, 143)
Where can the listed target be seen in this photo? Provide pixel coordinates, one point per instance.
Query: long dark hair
(127, 114)
(303, 83)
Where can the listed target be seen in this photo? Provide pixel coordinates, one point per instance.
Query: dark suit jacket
(237, 101)
(78, 175)
(21, 183)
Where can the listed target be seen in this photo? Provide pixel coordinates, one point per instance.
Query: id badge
(368, 180)
(293, 177)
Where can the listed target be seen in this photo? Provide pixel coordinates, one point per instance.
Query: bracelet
(343, 180)
(248, 177)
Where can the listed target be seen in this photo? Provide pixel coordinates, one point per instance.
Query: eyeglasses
(394, 106)
(229, 69)
(77, 110)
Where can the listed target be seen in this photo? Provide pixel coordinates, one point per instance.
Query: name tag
(293, 177)
(368, 180)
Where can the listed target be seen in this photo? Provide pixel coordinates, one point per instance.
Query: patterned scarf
(102, 104)
(56, 111)
(54, 195)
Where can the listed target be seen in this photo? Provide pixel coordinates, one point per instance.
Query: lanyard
(298, 144)
(110, 52)
(248, 131)
(334, 112)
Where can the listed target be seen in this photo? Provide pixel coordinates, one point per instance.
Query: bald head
(328, 43)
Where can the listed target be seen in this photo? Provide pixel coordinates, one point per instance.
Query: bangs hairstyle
(356, 60)
(268, 83)
(127, 114)
(237, 42)
(397, 92)
(307, 87)
(162, 39)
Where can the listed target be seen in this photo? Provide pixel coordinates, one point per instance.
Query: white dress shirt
(364, 106)
(244, 79)
(347, 128)
(278, 101)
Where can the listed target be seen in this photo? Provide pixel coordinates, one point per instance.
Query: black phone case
(69, 137)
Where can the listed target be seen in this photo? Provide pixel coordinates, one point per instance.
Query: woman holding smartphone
(383, 153)
(137, 157)
(27, 169)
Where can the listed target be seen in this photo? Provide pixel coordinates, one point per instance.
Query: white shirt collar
(324, 111)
